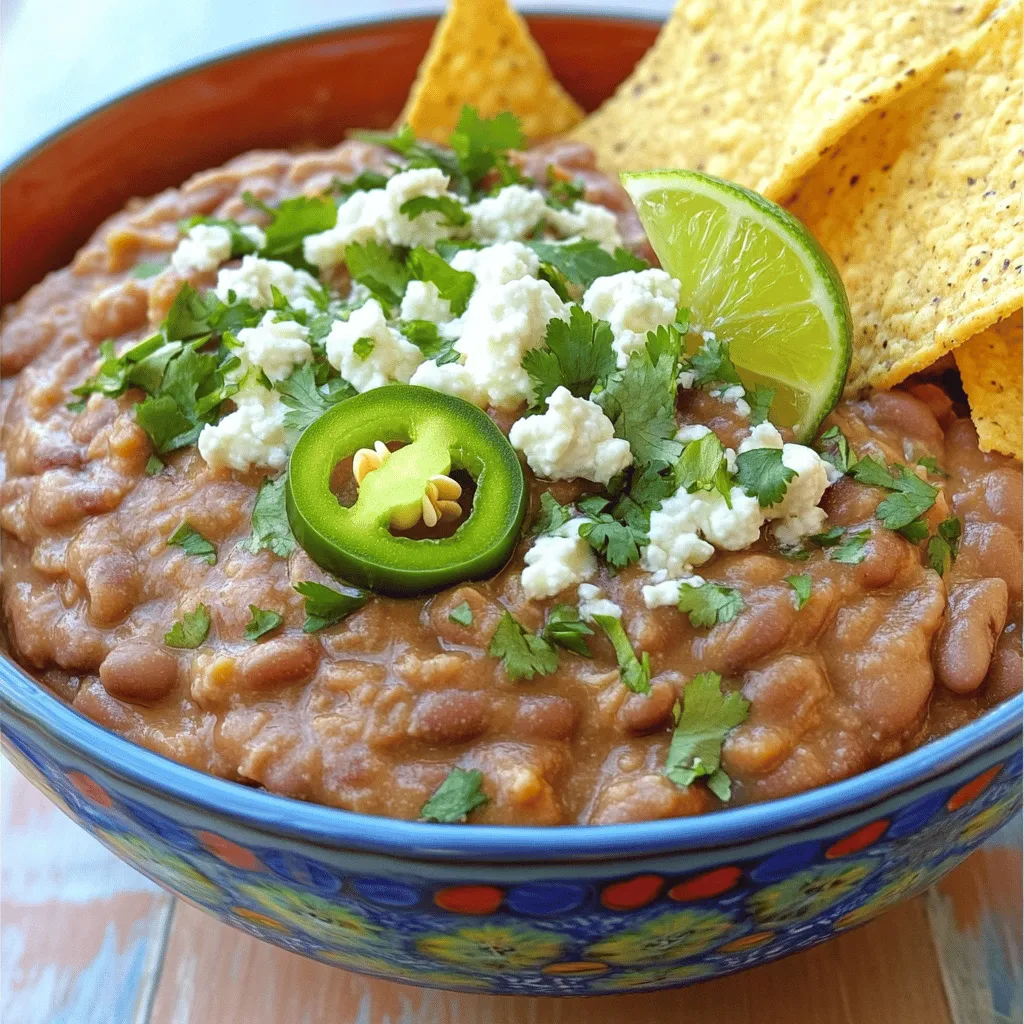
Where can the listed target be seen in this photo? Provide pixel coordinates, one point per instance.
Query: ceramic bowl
(559, 911)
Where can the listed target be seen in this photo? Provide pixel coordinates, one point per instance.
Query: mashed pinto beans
(371, 714)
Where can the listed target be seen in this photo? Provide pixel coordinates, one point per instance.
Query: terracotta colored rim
(26, 706)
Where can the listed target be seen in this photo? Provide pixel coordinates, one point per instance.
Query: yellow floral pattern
(904, 885)
(807, 893)
(672, 936)
(494, 947)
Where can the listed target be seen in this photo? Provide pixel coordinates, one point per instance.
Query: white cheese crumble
(450, 378)
(593, 602)
(389, 356)
(251, 436)
(513, 213)
(274, 346)
(666, 593)
(764, 435)
(692, 432)
(204, 248)
(587, 220)
(573, 439)
(255, 279)
(498, 264)
(374, 216)
(558, 561)
(501, 324)
(633, 302)
(422, 301)
(734, 395)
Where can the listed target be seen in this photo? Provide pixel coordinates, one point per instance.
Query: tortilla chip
(990, 368)
(483, 54)
(920, 210)
(756, 90)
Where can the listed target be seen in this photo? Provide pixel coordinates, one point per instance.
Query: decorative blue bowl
(537, 911)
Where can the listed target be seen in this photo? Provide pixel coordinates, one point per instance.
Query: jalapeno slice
(441, 433)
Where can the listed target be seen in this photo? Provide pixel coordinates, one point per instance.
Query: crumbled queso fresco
(487, 307)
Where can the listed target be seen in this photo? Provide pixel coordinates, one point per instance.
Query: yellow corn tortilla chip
(990, 368)
(756, 90)
(920, 209)
(483, 54)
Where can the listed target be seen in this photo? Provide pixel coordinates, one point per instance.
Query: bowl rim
(27, 702)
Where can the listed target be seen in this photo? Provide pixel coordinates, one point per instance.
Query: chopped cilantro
(801, 589)
(191, 631)
(649, 488)
(943, 547)
(915, 531)
(364, 181)
(702, 724)
(261, 621)
(873, 473)
(635, 672)
(461, 615)
(702, 467)
(326, 606)
(762, 475)
(294, 219)
(455, 798)
(618, 543)
(833, 447)
(583, 262)
(427, 338)
(851, 551)
(192, 542)
(760, 399)
(154, 466)
(241, 243)
(566, 629)
(913, 498)
(451, 210)
(578, 354)
(640, 402)
(562, 193)
(76, 407)
(552, 516)
(830, 538)
(362, 347)
(523, 654)
(479, 142)
(664, 341)
(931, 464)
(115, 373)
(378, 268)
(454, 285)
(149, 268)
(712, 365)
(305, 401)
(270, 527)
(709, 604)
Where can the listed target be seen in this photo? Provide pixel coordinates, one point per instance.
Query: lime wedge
(753, 274)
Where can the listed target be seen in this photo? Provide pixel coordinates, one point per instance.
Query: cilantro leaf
(943, 547)
(192, 542)
(833, 447)
(712, 365)
(291, 221)
(931, 464)
(702, 467)
(450, 209)
(851, 551)
(478, 141)
(552, 516)
(523, 654)
(461, 615)
(619, 543)
(305, 401)
(154, 466)
(149, 268)
(760, 399)
(455, 798)
(419, 154)
(762, 475)
(566, 629)
(830, 538)
(913, 498)
(578, 354)
(640, 402)
(377, 268)
(326, 606)
(428, 339)
(261, 621)
(270, 527)
(362, 347)
(649, 488)
(191, 631)
(915, 531)
(454, 285)
(635, 672)
(142, 365)
(706, 718)
(801, 589)
(364, 181)
(710, 603)
(873, 473)
(583, 262)
(562, 193)
(167, 426)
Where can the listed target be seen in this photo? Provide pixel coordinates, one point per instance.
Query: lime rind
(785, 314)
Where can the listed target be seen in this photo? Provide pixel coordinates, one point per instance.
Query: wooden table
(87, 940)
